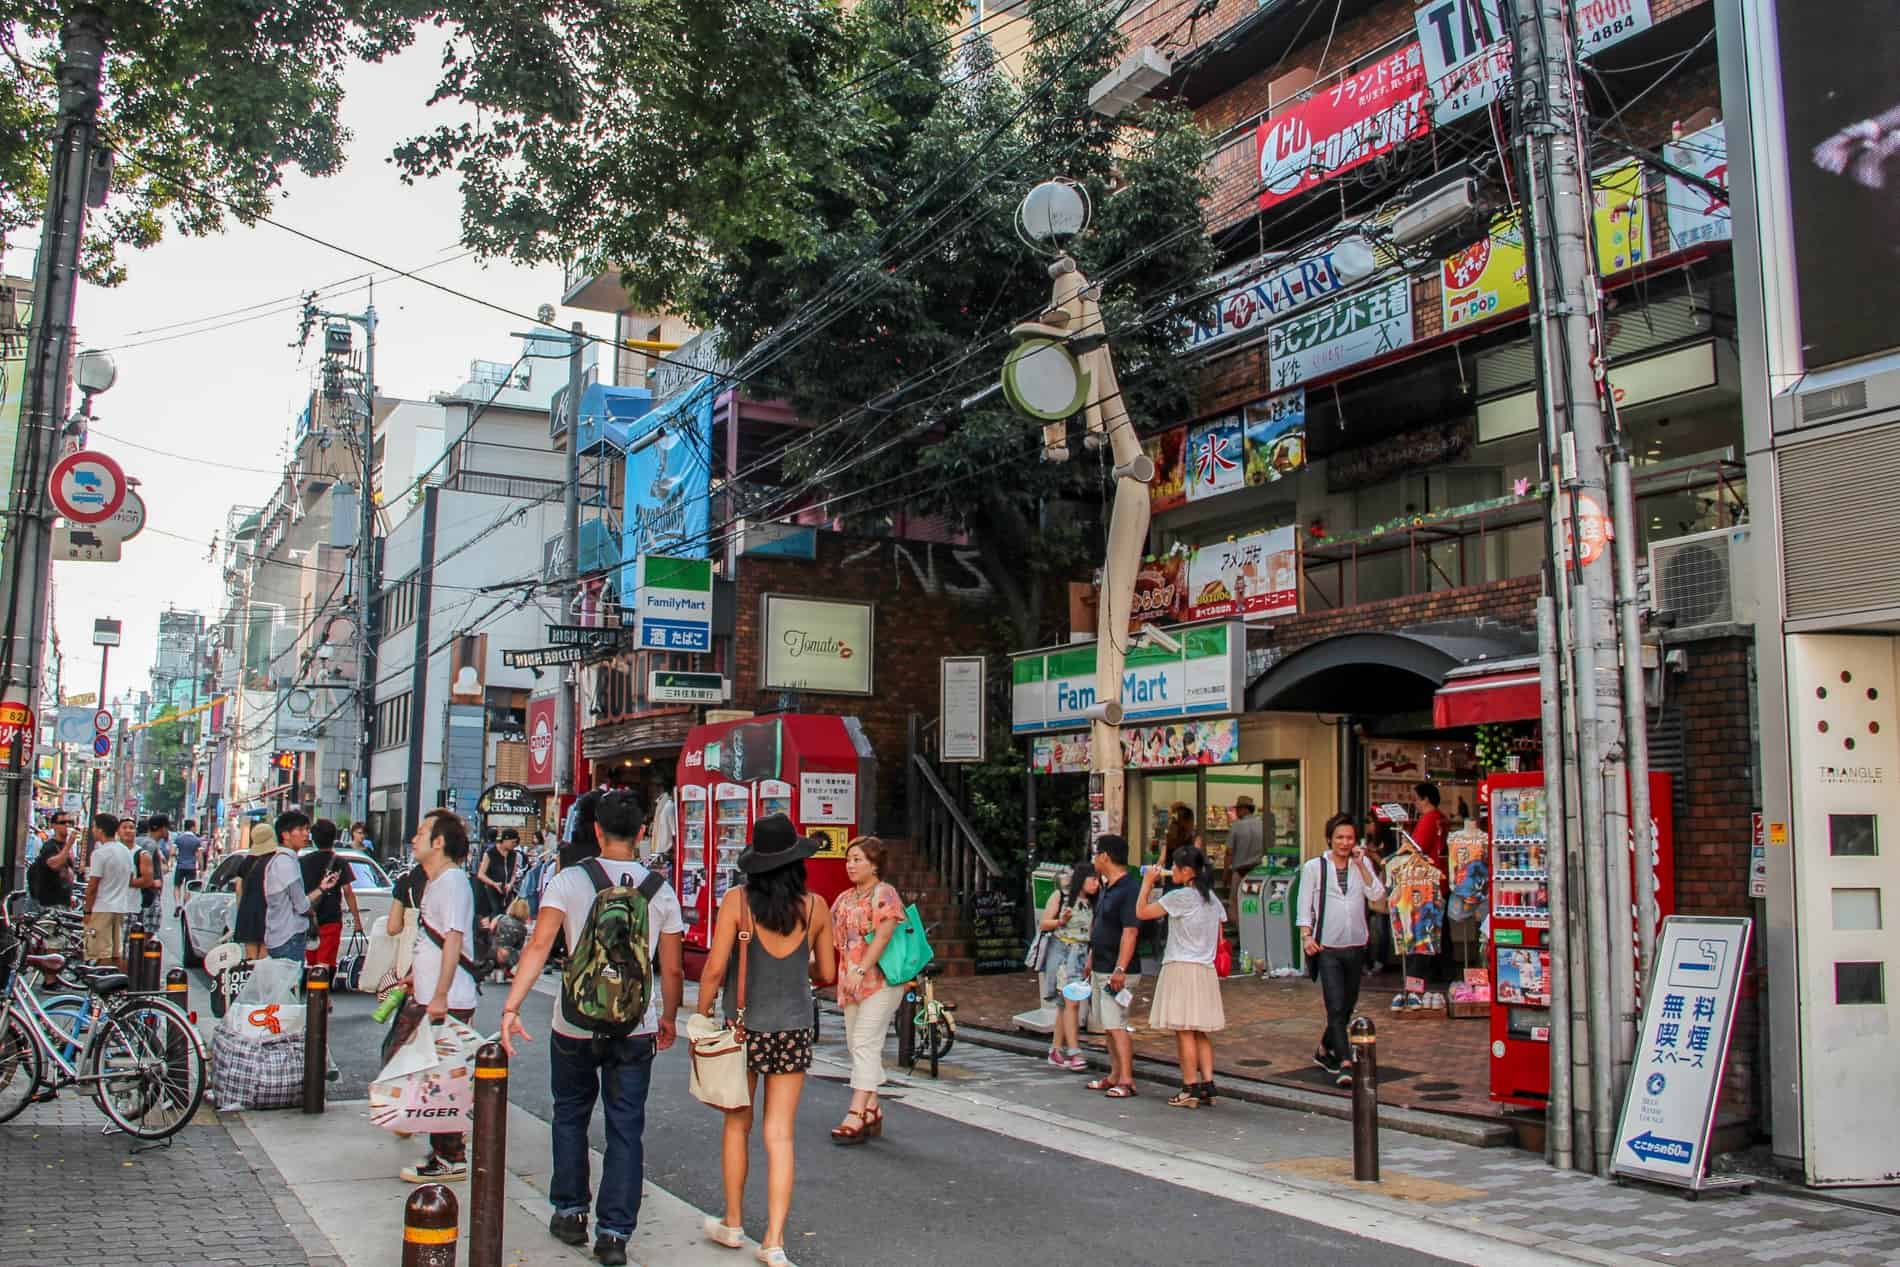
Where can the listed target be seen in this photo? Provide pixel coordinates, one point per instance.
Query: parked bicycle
(142, 1061)
(933, 1022)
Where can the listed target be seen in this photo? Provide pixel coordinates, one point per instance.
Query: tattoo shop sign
(1467, 46)
(1335, 336)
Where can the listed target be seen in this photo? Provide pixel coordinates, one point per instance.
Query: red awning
(1505, 691)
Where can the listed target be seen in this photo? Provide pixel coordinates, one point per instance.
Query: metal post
(134, 952)
(177, 986)
(566, 716)
(105, 658)
(1556, 856)
(1635, 714)
(151, 960)
(430, 1222)
(1600, 912)
(487, 1199)
(366, 572)
(26, 563)
(1365, 1099)
(316, 1036)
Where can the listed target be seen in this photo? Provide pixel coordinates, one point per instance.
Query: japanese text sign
(1335, 336)
(1343, 126)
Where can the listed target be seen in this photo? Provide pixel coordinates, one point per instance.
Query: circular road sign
(101, 745)
(102, 720)
(87, 487)
(128, 521)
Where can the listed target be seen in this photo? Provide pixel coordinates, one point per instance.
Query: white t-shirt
(572, 894)
(448, 906)
(1193, 925)
(111, 865)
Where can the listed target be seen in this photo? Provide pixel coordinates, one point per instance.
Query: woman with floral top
(864, 917)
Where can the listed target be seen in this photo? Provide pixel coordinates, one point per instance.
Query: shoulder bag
(909, 950)
(718, 1075)
(1319, 921)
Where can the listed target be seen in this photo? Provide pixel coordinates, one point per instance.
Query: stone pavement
(1426, 1061)
(76, 1197)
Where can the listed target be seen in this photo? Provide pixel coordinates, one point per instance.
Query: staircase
(944, 917)
(943, 863)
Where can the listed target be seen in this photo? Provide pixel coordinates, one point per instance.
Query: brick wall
(1512, 602)
(931, 601)
(1714, 830)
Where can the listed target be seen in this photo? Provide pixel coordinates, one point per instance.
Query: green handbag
(908, 951)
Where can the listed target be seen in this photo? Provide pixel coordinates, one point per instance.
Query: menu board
(995, 925)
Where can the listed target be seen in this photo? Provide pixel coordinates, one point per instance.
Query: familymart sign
(1053, 689)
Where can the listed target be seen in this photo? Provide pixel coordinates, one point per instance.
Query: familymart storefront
(1185, 740)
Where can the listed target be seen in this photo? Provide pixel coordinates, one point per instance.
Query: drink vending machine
(817, 770)
(1520, 924)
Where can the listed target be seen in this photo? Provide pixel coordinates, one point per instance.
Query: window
(1852, 836)
(399, 603)
(1857, 910)
(1860, 983)
(392, 721)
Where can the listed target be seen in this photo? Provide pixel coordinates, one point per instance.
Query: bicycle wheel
(19, 1067)
(150, 1070)
(71, 1015)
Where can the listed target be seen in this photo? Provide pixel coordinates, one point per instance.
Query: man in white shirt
(443, 973)
(109, 895)
(664, 825)
(1334, 889)
(585, 1065)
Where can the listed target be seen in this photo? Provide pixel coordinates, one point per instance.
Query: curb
(290, 1207)
(1271, 1095)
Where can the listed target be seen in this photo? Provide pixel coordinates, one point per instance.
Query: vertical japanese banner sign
(1215, 460)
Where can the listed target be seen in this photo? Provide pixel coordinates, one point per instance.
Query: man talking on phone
(1334, 889)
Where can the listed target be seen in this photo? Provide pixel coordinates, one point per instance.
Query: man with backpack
(619, 992)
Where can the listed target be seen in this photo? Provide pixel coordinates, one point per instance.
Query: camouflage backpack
(608, 980)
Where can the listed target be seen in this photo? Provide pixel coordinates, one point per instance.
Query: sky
(200, 402)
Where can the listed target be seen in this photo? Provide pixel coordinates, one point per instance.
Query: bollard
(177, 986)
(907, 1027)
(316, 1037)
(152, 964)
(429, 1225)
(487, 1200)
(1365, 1100)
(135, 958)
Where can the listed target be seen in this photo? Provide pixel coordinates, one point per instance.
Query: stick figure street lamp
(1062, 366)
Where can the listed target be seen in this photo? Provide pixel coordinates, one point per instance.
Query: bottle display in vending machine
(692, 850)
(732, 826)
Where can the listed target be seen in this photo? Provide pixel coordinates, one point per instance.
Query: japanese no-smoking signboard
(87, 487)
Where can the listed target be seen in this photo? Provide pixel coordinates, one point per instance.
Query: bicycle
(933, 1023)
(143, 1058)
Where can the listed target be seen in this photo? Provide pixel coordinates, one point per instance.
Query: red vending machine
(818, 771)
(1520, 925)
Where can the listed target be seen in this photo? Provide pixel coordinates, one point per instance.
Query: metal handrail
(970, 839)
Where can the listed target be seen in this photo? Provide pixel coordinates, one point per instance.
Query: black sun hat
(775, 843)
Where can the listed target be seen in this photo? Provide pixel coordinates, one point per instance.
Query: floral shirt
(854, 920)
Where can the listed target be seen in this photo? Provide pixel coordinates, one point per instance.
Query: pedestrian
(287, 899)
(784, 936)
(1187, 993)
(110, 898)
(1334, 890)
(863, 920)
(49, 881)
(664, 828)
(318, 864)
(187, 847)
(1068, 918)
(148, 866)
(359, 839)
(605, 1036)
(1246, 848)
(496, 876)
(1111, 954)
(443, 973)
(1429, 831)
(508, 933)
(248, 924)
(405, 895)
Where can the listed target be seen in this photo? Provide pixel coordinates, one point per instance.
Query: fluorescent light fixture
(1140, 73)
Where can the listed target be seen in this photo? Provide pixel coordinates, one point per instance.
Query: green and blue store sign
(1053, 689)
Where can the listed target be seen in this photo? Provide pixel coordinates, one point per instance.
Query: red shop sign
(16, 726)
(1340, 127)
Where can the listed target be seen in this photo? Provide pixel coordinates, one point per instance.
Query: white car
(211, 910)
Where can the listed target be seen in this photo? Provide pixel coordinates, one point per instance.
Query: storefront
(627, 738)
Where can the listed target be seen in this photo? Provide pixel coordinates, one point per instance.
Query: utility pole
(1565, 331)
(26, 570)
(566, 714)
(105, 658)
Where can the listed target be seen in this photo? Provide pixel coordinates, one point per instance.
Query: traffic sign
(84, 543)
(101, 745)
(87, 487)
(102, 720)
(128, 521)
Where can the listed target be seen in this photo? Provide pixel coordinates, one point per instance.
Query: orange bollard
(429, 1224)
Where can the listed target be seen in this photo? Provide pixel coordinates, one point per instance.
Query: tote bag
(718, 1074)
(908, 952)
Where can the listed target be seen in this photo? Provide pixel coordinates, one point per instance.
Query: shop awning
(1502, 690)
(1372, 674)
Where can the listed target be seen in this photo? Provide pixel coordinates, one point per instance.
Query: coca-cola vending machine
(817, 770)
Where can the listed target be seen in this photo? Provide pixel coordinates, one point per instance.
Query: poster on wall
(1168, 451)
(1160, 592)
(1276, 283)
(1275, 431)
(1178, 744)
(1059, 754)
(960, 705)
(1695, 215)
(1215, 461)
(1346, 332)
(1254, 577)
(814, 644)
(1343, 125)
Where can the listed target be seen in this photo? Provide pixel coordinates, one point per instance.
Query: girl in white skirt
(1187, 996)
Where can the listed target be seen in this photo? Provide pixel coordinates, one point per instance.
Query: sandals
(773, 1257)
(1121, 1091)
(1102, 1083)
(1206, 1093)
(720, 1234)
(1188, 1097)
(874, 1122)
(849, 1134)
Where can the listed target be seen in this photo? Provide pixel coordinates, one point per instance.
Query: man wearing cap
(1246, 847)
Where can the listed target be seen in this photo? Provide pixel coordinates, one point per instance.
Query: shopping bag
(252, 1068)
(718, 1074)
(428, 1084)
(908, 951)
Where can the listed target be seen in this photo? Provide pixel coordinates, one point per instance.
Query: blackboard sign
(994, 924)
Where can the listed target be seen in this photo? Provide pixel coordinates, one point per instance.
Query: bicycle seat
(931, 969)
(49, 964)
(101, 980)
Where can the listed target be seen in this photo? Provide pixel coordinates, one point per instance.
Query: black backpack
(250, 909)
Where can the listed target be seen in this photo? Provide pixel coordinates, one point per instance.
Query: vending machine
(819, 771)
(1520, 924)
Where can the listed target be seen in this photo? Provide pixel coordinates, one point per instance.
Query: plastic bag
(271, 981)
(428, 1084)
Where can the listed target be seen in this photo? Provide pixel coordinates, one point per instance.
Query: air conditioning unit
(1702, 579)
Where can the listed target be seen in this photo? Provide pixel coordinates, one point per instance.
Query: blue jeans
(292, 949)
(616, 1073)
